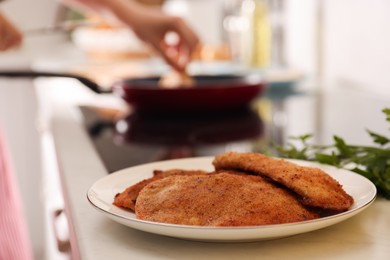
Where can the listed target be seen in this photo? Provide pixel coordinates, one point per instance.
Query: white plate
(102, 192)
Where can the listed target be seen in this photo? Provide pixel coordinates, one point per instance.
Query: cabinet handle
(63, 244)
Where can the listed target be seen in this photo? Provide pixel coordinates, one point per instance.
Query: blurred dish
(209, 93)
(112, 43)
(109, 41)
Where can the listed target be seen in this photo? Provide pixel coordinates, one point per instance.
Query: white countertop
(364, 236)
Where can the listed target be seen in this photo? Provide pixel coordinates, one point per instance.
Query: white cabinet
(18, 114)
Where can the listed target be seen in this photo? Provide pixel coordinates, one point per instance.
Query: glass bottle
(261, 35)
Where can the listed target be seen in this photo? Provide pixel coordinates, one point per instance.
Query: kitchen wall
(347, 41)
(357, 40)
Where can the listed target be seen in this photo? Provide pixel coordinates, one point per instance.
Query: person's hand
(10, 37)
(152, 26)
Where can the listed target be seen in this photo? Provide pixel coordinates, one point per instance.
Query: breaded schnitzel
(220, 199)
(315, 187)
(128, 197)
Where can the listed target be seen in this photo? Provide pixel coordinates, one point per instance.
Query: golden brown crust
(221, 199)
(315, 187)
(128, 197)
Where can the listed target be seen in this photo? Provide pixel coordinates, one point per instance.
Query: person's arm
(10, 36)
(150, 25)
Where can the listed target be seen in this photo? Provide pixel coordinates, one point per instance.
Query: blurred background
(327, 44)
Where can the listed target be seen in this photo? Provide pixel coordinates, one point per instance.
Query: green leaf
(361, 172)
(379, 139)
(327, 159)
(341, 146)
(387, 112)
(303, 138)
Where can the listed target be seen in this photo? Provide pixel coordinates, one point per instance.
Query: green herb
(372, 162)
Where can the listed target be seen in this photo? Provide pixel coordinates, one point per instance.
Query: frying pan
(210, 93)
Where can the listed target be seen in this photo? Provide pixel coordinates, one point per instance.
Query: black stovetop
(140, 138)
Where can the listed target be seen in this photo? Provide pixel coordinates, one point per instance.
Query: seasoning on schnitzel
(220, 199)
(127, 198)
(315, 187)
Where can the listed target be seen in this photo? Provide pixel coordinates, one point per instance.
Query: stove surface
(140, 138)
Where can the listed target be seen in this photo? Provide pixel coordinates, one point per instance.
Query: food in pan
(175, 79)
(245, 189)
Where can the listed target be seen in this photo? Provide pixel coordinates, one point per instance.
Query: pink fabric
(14, 240)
